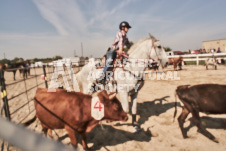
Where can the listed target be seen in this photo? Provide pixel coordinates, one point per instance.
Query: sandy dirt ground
(155, 115)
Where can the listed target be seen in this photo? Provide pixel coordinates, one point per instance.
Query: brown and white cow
(72, 111)
(207, 98)
(176, 62)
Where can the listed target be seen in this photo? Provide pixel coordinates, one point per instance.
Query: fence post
(4, 94)
(44, 71)
(197, 59)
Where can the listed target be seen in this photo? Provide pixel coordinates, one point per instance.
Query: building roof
(214, 40)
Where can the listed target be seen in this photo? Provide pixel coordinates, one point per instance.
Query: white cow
(211, 61)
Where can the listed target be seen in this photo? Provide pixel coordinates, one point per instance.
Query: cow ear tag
(97, 108)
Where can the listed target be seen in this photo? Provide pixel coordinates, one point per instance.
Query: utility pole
(82, 49)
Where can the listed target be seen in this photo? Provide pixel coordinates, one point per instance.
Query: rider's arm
(127, 43)
(120, 43)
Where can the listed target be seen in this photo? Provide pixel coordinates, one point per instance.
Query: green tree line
(19, 60)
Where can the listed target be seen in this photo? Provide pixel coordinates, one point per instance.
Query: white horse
(130, 74)
(211, 61)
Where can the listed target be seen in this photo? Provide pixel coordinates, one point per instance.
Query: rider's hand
(119, 52)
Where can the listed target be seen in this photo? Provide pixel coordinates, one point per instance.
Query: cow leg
(84, 141)
(44, 130)
(49, 132)
(197, 121)
(180, 65)
(72, 136)
(181, 120)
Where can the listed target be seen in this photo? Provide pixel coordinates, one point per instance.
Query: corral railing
(30, 141)
(200, 57)
(16, 97)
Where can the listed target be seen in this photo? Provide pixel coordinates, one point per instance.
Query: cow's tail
(29, 122)
(175, 112)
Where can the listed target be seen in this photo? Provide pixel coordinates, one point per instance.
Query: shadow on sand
(153, 108)
(111, 136)
(209, 122)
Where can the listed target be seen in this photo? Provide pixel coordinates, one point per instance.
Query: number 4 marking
(98, 106)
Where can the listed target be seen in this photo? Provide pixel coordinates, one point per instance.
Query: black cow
(207, 98)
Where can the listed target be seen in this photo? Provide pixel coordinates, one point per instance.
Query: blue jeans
(111, 55)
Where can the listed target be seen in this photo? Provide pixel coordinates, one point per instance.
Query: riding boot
(101, 79)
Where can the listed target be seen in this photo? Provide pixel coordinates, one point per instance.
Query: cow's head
(112, 107)
(181, 89)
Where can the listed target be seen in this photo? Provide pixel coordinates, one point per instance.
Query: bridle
(153, 47)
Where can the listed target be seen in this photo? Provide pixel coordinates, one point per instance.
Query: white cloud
(65, 16)
(95, 25)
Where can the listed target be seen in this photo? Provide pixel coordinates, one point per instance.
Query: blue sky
(45, 28)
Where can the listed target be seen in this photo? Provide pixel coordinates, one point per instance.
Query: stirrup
(101, 81)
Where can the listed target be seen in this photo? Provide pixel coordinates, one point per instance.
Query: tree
(16, 59)
(4, 61)
(167, 49)
(57, 57)
(35, 60)
(126, 49)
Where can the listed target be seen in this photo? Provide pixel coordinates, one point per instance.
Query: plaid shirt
(121, 40)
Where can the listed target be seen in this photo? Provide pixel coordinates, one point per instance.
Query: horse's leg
(24, 73)
(14, 75)
(136, 126)
(124, 101)
(20, 72)
(134, 107)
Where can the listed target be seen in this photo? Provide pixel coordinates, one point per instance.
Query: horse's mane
(151, 37)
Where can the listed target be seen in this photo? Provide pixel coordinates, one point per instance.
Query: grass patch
(201, 62)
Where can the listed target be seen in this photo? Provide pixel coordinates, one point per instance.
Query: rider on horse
(120, 41)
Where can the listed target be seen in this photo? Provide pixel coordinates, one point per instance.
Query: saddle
(119, 62)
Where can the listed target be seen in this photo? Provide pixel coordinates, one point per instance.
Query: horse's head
(158, 53)
(149, 48)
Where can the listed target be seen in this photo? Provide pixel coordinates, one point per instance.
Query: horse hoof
(136, 129)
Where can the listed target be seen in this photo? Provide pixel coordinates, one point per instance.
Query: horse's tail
(29, 122)
(175, 112)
